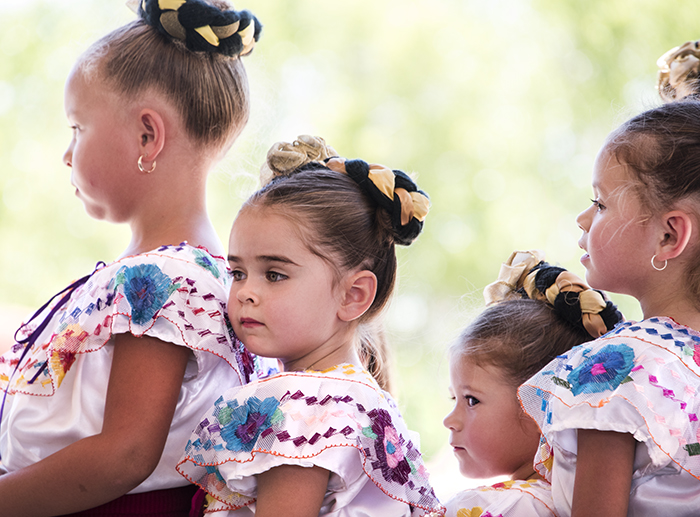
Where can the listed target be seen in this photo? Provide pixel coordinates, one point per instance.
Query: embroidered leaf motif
(626, 379)
(367, 431)
(204, 259)
(693, 449)
(561, 382)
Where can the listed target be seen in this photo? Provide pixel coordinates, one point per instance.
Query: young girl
(313, 259)
(535, 312)
(104, 387)
(620, 415)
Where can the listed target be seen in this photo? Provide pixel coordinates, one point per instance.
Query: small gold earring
(141, 168)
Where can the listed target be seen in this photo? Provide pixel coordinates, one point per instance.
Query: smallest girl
(535, 312)
(313, 261)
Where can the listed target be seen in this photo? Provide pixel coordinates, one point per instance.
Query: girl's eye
(274, 276)
(471, 401)
(599, 206)
(237, 275)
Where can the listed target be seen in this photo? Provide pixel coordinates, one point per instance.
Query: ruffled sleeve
(641, 378)
(531, 498)
(339, 420)
(176, 294)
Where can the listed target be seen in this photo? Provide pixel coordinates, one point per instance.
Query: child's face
(98, 149)
(283, 302)
(617, 241)
(490, 434)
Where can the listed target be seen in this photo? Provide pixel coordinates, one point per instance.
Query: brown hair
(661, 148)
(340, 222)
(209, 90)
(519, 336)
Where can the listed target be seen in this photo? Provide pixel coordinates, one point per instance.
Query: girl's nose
(246, 293)
(68, 156)
(583, 220)
(450, 421)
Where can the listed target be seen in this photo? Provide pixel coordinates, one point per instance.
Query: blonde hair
(209, 90)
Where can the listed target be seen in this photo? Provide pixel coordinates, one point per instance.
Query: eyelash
(236, 274)
(471, 401)
(274, 276)
(599, 206)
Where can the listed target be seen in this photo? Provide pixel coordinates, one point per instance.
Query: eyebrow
(469, 388)
(266, 258)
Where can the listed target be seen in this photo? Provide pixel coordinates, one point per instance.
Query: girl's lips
(250, 323)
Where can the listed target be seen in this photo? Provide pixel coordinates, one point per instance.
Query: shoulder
(641, 378)
(311, 417)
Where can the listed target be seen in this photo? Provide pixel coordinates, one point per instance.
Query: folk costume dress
(640, 378)
(517, 498)
(58, 385)
(338, 419)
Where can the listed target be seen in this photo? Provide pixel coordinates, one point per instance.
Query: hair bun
(392, 190)
(679, 69)
(527, 275)
(283, 158)
(203, 27)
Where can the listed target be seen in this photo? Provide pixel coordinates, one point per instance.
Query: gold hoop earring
(141, 168)
(658, 268)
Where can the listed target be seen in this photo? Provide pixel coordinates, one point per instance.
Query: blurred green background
(498, 107)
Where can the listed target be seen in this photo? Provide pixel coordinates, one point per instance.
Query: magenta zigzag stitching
(669, 394)
(284, 436)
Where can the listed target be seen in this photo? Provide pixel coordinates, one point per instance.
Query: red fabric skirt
(172, 502)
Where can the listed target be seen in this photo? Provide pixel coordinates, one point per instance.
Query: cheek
(232, 304)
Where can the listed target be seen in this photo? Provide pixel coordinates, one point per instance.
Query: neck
(326, 356)
(524, 473)
(173, 210)
(673, 302)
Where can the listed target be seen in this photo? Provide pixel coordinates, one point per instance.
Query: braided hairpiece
(526, 275)
(203, 27)
(392, 190)
(678, 69)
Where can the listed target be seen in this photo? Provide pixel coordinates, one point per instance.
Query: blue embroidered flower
(204, 259)
(242, 424)
(604, 371)
(146, 288)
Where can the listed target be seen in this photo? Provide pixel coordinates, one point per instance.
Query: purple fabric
(172, 502)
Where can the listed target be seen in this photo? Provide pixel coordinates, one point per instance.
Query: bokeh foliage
(498, 107)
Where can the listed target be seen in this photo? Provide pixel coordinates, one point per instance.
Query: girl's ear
(151, 135)
(357, 295)
(678, 228)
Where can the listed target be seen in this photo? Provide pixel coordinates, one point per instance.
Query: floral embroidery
(204, 259)
(606, 370)
(242, 424)
(388, 447)
(146, 288)
(65, 345)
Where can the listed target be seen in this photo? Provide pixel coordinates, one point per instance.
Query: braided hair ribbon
(202, 26)
(392, 190)
(526, 275)
(676, 68)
